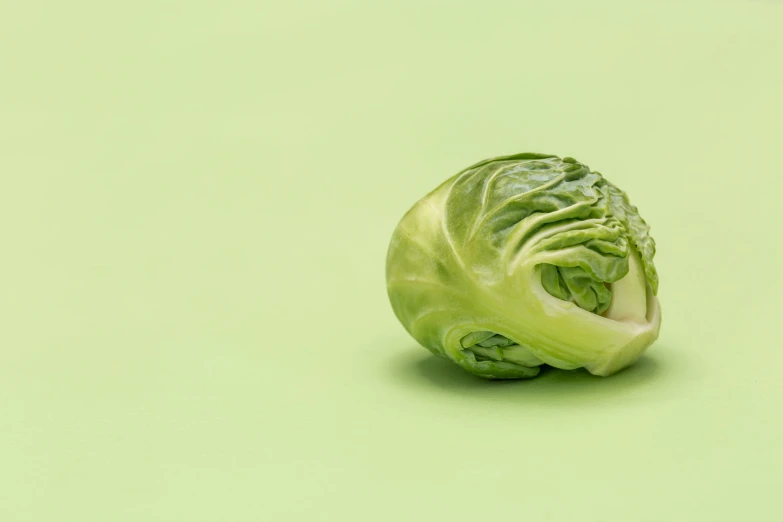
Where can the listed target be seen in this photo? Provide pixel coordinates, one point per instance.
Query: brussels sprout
(524, 260)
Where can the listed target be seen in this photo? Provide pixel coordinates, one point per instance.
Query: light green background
(195, 204)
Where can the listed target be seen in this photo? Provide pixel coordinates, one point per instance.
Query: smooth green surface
(195, 204)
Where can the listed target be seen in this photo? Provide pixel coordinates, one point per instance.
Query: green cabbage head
(524, 260)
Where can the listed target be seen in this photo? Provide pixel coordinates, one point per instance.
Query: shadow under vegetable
(416, 367)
